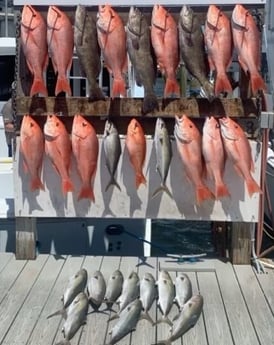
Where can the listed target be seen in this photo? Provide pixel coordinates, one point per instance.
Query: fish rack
(129, 203)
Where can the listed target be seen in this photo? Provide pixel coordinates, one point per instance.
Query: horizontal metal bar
(136, 2)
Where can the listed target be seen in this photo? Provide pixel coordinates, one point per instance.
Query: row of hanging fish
(135, 297)
(163, 42)
(202, 155)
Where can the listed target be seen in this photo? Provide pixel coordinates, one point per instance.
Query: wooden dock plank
(45, 330)
(9, 274)
(145, 332)
(239, 319)
(29, 313)
(262, 316)
(214, 312)
(266, 283)
(94, 331)
(4, 259)
(197, 334)
(16, 296)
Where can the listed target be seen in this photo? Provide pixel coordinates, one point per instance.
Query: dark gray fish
(112, 149)
(192, 48)
(127, 322)
(77, 283)
(114, 288)
(96, 289)
(88, 51)
(163, 155)
(148, 294)
(185, 320)
(130, 291)
(183, 289)
(166, 292)
(140, 50)
(77, 313)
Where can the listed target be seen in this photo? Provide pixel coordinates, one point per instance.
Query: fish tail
(150, 104)
(38, 86)
(62, 312)
(221, 191)
(36, 183)
(146, 316)
(222, 84)
(67, 186)
(96, 94)
(208, 89)
(203, 193)
(86, 192)
(112, 182)
(140, 178)
(62, 85)
(164, 319)
(118, 88)
(172, 88)
(162, 188)
(252, 186)
(257, 83)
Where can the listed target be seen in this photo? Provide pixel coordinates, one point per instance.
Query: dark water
(181, 237)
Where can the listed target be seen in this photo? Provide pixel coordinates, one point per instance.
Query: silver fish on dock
(96, 289)
(112, 149)
(77, 283)
(185, 320)
(148, 294)
(88, 50)
(127, 322)
(183, 289)
(163, 155)
(114, 288)
(166, 292)
(140, 50)
(192, 48)
(77, 313)
(130, 291)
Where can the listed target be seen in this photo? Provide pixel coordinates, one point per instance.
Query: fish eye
(31, 124)
(84, 124)
(57, 124)
(190, 126)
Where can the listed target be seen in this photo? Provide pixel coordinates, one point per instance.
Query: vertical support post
(240, 251)
(25, 238)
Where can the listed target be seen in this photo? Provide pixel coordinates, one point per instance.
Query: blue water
(181, 237)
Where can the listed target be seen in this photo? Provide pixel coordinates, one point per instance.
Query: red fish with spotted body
(32, 150)
(85, 148)
(58, 148)
(136, 147)
(189, 145)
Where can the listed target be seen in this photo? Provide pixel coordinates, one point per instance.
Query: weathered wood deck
(238, 303)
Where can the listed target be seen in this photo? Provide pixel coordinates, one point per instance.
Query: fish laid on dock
(114, 288)
(77, 283)
(96, 289)
(148, 294)
(183, 288)
(130, 291)
(166, 292)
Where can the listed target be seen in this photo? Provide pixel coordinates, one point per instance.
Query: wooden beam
(240, 251)
(25, 238)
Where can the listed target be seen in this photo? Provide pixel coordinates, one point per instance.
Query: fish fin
(222, 84)
(113, 182)
(150, 104)
(221, 191)
(140, 179)
(146, 316)
(171, 88)
(86, 192)
(62, 84)
(164, 319)
(118, 88)
(36, 183)
(257, 83)
(252, 186)
(203, 193)
(38, 86)
(62, 312)
(162, 188)
(113, 317)
(96, 94)
(67, 186)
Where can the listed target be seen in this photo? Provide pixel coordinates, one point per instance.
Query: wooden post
(25, 238)
(240, 251)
